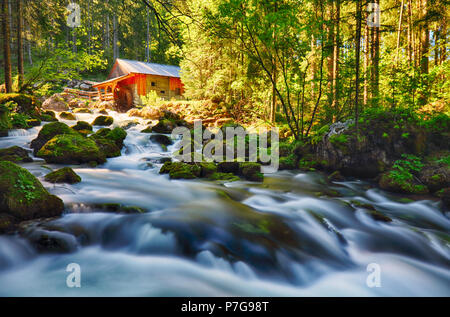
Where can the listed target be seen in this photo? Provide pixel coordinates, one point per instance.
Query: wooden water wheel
(125, 99)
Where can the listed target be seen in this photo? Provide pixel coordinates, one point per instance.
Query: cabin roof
(115, 79)
(137, 67)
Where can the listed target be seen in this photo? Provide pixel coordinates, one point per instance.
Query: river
(295, 234)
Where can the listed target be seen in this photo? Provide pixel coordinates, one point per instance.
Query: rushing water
(296, 234)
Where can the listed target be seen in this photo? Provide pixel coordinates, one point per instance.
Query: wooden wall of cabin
(161, 85)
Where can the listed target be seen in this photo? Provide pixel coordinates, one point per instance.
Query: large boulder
(25, 103)
(23, 197)
(71, 149)
(435, 176)
(371, 151)
(110, 141)
(15, 154)
(49, 131)
(58, 102)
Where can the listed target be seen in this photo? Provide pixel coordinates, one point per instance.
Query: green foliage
(20, 121)
(403, 169)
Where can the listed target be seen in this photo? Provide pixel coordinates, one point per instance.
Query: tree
(6, 46)
(19, 44)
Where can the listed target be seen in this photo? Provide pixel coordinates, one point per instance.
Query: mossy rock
(67, 116)
(71, 149)
(117, 135)
(82, 125)
(389, 183)
(15, 154)
(49, 131)
(119, 208)
(63, 175)
(378, 216)
(108, 147)
(5, 121)
(251, 171)
(25, 103)
(229, 177)
(180, 170)
(207, 169)
(228, 167)
(82, 110)
(161, 139)
(48, 116)
(164, 126)
(23, 196)
(103, 121)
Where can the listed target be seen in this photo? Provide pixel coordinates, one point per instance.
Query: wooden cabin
(129, 80)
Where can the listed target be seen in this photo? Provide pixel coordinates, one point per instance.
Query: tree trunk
(6, 47)
(425, 40)
(399, 31)
(336, 47)
(115, 48)
(19, 44)
(366, 61)
(358, 51)
(147, 38)
(375, 62)
(410, 34)
(330, 57)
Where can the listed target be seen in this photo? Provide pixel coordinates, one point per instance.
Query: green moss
(82, 125)
(108, 147)
(399, 185)
(288, 163)
(103, 121)
(25, 103)
(164, 126)
(340, 141)
(117, 135)
(63, 175)
(67, 116)
(217, 176)
(14, 154)
(180, 170)
(208, 169)
(68, 149)
(82, 110)
(23, 196)
(5, 120)
(20, 121)
(251, 171)
(260, 228)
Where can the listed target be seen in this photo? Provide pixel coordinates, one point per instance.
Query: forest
(358, 91)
